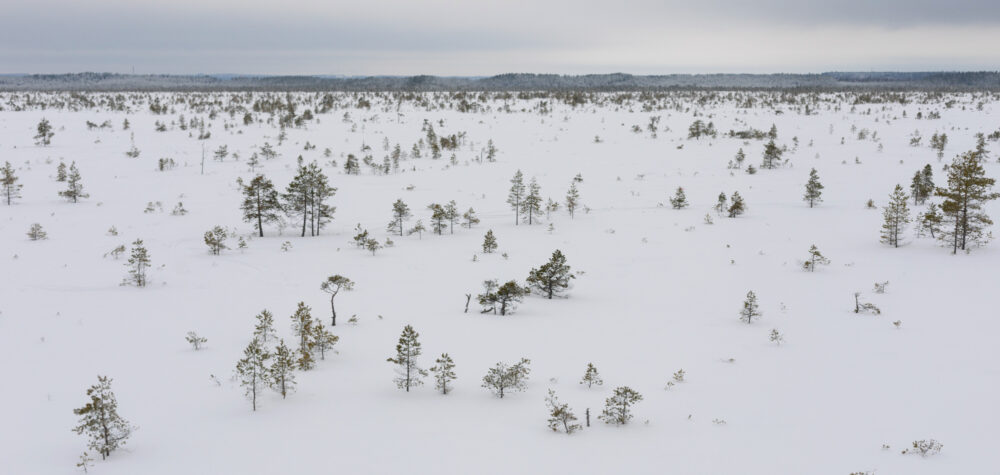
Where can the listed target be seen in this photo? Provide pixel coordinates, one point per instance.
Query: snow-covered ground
(660, 291)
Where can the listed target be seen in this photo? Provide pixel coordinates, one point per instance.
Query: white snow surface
(660, 291)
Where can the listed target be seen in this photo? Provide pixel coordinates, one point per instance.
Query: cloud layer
(489, 37)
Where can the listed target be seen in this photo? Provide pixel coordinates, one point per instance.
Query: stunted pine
(895, 217)
(408, 372)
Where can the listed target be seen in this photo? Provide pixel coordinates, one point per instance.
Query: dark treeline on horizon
(830, 81)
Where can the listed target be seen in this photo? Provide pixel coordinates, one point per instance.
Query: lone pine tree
(679, 201)
(489, 242)
(895, 217)
(968, 190)
(44, 133)
(618, 407)
(439, 218)
(551, 278)
(400, 214)
(750, 309)
(515, 197)
(100, 421)
(261, 203)
(532, 204)
(814, 189)
(444, 373)
(451, 214)
(333, 285)
(815, 258)
(503, 378)
(561, 417)
(736, 206)
(469, 219)
(138, 263)
(264, 328)
(591, 377)
(252, 371)
(408, 372)
(74, 188)
(772, 156)
(572, 199)
(8, 184)
(215, 239)
(321, 338)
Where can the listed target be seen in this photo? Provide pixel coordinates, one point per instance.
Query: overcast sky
(486, 37)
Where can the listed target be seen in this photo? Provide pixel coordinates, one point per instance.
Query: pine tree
(439, 218)
(351, 165)
(333, 285)
(469, 218)
(895, 217)
(737, 206)
(750, 309)
(590, 377)
(418, 229)
(814, 189)
(815, 257)
(44, 135)
(930, 221)
(282, 370)
(260, 203)
(721, 204)
(560, 415)
(400, 214)
(195, 340)
(618, 408)
(36, 233)
(100, 421)
(553, 277)
(74, 189)
(320, 213)
(516, 196)
(922, 185)
(740, 157)
(444, 373)
(8, 183)
(507, 296)
(306, 195)
(504, 378)
(138, 263)
(252, 370)
(679, 201)
(215, 239)
(322, 340)
(968, 190)
(302, 323)
(772, 156)
(408, 373)
(451, 214)
(532, 204)
(572, 199)
(61, 172)
(264, 329)
(489, 242)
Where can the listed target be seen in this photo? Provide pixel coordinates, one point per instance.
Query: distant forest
(832, 81)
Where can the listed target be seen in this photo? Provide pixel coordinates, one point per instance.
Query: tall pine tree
(895, 217)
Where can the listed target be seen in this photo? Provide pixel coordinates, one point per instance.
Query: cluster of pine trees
(269, 363)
